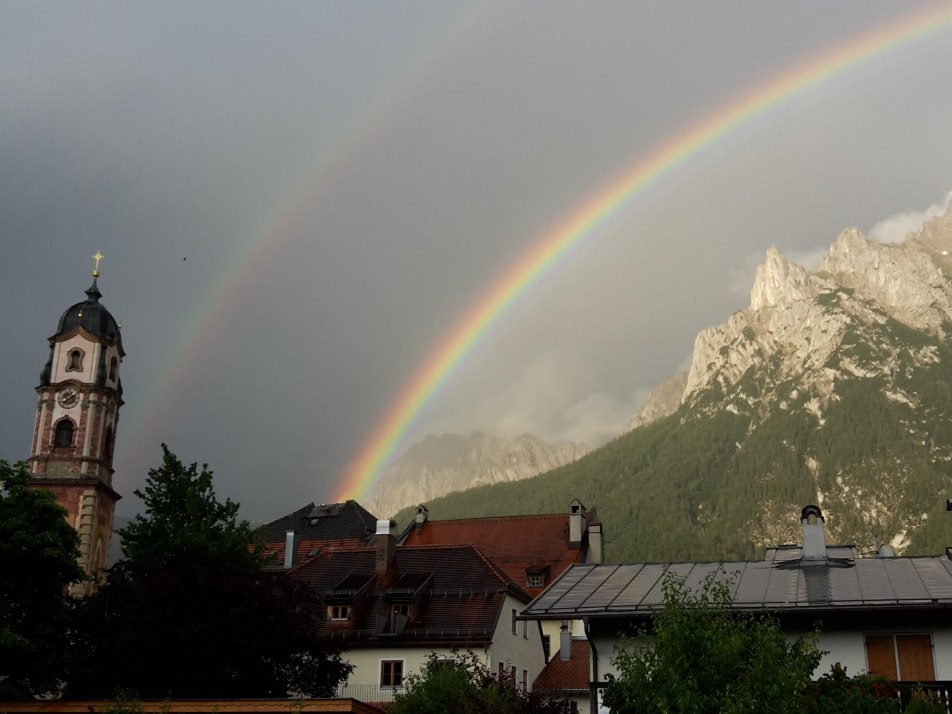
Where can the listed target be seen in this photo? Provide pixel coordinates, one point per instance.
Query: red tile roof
(515, 543)
(572, 674)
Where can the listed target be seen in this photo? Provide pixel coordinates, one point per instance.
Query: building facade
(77, 415)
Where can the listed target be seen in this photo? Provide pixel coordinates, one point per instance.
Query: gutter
(593, 686)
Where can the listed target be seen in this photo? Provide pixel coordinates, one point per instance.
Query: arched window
(63, 436)
(75, 363)
(113, 366)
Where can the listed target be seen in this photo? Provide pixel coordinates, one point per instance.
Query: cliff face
(797, 321)
(874, 318)
(439, 465)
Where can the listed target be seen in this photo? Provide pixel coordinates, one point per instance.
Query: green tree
(698, 656)
(191, 613)
(836, 692)
(463, 685)
(38, 553)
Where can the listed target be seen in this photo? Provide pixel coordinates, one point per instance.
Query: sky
(299, 202)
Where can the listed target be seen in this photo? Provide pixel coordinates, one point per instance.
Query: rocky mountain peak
(797, 320)
(446, 463)
(777, 280)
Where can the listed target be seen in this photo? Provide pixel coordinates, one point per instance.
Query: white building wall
(848, 647)
(522, 650)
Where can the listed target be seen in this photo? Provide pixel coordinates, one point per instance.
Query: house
(884, 615)
(391, 605)
(312, 528)
(531, 550)
(568, 675)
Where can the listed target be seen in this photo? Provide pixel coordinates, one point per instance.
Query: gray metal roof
(782, 582)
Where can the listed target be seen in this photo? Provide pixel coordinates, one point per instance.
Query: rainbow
(153, 407)
(585, 220)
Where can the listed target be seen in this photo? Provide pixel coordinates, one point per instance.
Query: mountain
(833, 387)
(439, 465)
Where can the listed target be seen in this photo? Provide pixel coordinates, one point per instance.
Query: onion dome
(93, 317)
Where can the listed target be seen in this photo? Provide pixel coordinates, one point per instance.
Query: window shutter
(881, 656)
(915, 658)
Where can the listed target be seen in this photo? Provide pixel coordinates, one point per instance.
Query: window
(399, 616)
(75, 363)
(536, 580)
(113, 366)
(901, 657)
(525, 629)
(63, 436)
(338, 612)
(525, 680)
(513, 620)
(391, 673)
(547, 646)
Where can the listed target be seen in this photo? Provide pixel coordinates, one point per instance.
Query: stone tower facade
(77, 413)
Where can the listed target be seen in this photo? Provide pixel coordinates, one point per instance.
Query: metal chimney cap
(385, 527)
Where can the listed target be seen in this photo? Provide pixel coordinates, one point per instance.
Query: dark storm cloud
(173, 136)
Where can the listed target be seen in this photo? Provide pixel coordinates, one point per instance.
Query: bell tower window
(75, 363)
(63, 436)
(113, 366)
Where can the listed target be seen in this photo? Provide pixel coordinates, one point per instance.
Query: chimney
(595, 543)
(421, 513)
(565, 642)
(290, 550)
(385, 541)
(814, 538)
(576, 514)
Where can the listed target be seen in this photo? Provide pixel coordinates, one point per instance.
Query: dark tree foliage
(463, 685)
(191, 614)
(700, 657)
(38, 552)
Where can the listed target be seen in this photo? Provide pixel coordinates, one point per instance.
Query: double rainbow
(584, 221)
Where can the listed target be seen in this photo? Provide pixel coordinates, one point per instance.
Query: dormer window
(63, 436)
(75, 361)
(338, 612)
(536, 576)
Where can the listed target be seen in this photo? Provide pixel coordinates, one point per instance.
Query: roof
(194, 706)
(783, 582)
(457, 594)
(517, 544)
(93, 317)
(566, 675)
(336, 525)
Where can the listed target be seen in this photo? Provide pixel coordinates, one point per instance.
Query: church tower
(77, 412)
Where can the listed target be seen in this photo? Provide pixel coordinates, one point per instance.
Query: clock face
(68, 398)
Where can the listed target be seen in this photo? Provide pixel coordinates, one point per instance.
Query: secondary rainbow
(581, 223)
(153, 409)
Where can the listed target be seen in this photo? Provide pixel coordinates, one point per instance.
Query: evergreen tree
(191, 613)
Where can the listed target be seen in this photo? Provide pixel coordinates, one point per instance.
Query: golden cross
(99, 256)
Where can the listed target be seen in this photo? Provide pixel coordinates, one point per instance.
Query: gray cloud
(299, 202)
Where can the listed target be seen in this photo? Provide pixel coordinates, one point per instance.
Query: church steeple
(77, 413)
